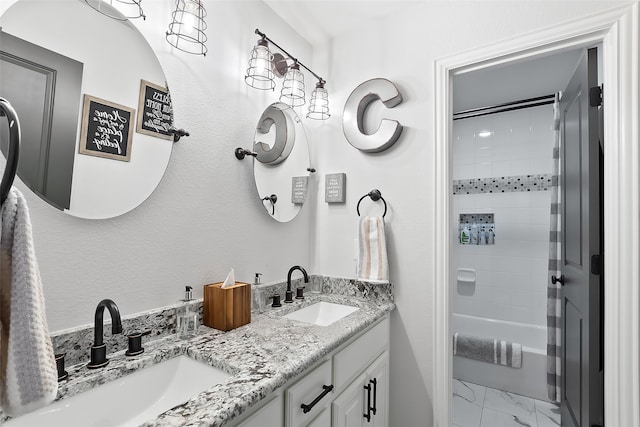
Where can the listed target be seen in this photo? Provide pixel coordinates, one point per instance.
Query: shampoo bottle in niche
(491, 237)
(187, 316)
(464, 235)
(473, 235)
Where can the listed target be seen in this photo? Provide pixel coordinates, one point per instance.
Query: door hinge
(595, 96)
(597, 265)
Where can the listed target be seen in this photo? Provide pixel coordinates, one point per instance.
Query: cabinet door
(348, 409)
(270, 414)
(378, 378)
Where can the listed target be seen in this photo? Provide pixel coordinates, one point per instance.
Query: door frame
(618, 31)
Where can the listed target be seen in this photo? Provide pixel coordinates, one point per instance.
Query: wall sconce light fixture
(319, 103)
(259, 72)
(293, 86)
(187, 29)
(130, 9)
(264, 67)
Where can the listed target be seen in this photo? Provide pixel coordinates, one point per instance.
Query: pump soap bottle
(187, 316)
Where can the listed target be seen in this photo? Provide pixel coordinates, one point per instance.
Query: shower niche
(476, 229)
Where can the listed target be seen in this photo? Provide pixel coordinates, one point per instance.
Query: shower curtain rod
(501, 108)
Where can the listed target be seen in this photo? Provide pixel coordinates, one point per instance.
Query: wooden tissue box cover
(227, 308)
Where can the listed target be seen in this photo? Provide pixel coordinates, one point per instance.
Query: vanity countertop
(261, 356)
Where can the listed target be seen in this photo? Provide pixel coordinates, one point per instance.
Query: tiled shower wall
(511, 274)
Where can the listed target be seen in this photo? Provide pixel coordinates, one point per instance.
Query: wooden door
(582, 389)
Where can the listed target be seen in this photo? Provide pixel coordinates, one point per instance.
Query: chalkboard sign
(107, 129)
(155, 114)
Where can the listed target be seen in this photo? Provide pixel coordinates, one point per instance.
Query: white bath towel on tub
(373, 264)
(488, 350)
(28, 373)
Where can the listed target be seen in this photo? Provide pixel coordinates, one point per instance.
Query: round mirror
(281, 166)
(93, 105)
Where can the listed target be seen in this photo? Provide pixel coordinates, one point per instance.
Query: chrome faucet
(99, 348)
(288, 295)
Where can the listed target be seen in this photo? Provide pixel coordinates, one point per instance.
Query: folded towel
(28, 373)
(372, 255)
(488, 350)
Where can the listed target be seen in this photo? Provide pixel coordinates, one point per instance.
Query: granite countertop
(261, 356)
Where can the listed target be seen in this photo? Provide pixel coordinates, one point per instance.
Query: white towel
(373, 265)
(28, 373)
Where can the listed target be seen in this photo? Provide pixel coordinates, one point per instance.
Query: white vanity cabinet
(349, 387)
(365, 401)
(309, 396)
(364, 367)
(269, 414)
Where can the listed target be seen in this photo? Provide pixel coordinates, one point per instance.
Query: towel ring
(375, 195)
(14, 148)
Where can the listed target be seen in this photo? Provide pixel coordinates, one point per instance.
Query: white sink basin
(321, 313)
(129, 400)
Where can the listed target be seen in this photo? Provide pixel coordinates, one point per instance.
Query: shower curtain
(554, 298)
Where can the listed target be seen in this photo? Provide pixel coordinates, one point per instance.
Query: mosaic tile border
(503, 184)
(476, 218)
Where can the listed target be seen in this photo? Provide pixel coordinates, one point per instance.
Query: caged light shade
(259, 71)
(120, 10)
(319, 103)
(187, 28)
(293, 87)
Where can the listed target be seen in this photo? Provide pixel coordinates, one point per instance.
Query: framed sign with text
(107, 129)
(155, 114)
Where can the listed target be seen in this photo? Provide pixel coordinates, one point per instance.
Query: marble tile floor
(478, 406)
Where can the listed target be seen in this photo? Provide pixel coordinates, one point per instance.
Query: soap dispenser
(187, 316)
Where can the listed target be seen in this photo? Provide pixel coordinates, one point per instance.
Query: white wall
(511, 275)
(402, 47)
(205, 216)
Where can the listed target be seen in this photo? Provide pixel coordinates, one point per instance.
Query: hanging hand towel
(28, 373)
(373, 265)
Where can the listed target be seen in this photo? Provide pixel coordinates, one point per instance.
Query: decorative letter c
(352, 119)
(285, 134)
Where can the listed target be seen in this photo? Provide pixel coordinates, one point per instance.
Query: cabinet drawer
(322, 420)
(270, 414)
(312, 388)
(352, 361)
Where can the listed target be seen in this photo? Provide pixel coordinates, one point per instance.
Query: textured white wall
(205, 217)
(403, 47)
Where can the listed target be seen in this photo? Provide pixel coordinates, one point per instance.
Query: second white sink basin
(130, 400)
(321, 313)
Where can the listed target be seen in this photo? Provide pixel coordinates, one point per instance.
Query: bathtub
(529, 380)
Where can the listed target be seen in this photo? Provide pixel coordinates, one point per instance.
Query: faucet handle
(62, 374)
(276, 301)
(288, 296)
(135, 343)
